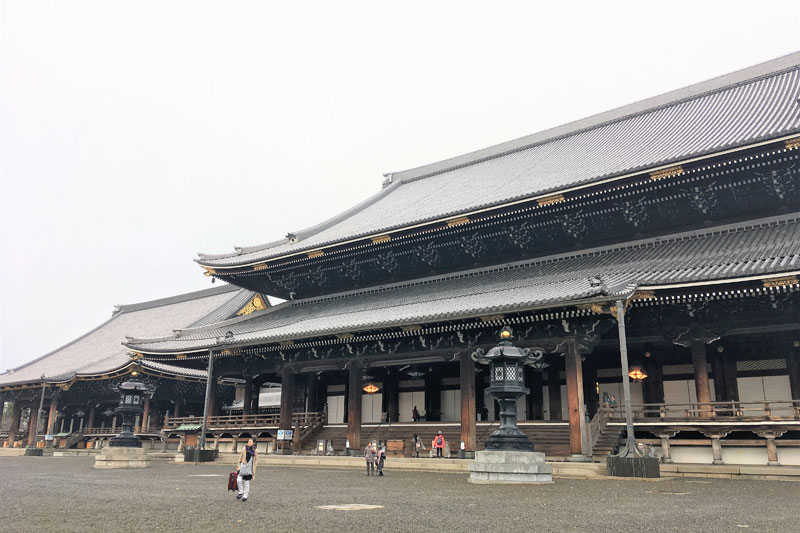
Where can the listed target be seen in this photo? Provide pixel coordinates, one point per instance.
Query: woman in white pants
(246, 469)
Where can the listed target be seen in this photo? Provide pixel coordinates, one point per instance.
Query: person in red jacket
(438, 444)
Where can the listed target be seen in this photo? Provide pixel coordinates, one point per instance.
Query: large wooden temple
(684, 208)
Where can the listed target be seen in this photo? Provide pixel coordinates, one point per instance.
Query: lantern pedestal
(122, 457)
(509, 467)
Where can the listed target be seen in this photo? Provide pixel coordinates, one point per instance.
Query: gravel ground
(66, 494)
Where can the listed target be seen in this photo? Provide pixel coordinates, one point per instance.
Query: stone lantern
(509, 455)
(506, 385)
(131, 402)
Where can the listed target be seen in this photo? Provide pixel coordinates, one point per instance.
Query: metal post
(209, 379)
(630, 443)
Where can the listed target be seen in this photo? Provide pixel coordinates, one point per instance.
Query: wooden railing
(751, 411)
(597, 425)
(244, 421)
(102, 432)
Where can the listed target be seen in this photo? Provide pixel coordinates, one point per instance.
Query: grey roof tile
(766, 246)
(100, 350)
(723, 117)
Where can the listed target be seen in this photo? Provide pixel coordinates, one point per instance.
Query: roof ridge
(178, 298)
(745, 76)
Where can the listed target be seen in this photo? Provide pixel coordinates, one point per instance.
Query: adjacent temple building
(684, 208)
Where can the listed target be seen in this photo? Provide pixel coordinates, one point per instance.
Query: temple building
(682, 210)
(76, 384)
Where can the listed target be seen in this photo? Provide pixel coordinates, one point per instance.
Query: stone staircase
(607, 444)
(552, 439)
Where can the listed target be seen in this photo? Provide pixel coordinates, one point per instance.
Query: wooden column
(590, 396)
(32, 421)
(313, 385)
(700, 363)
(90, 421)
(654, 384)
(717, 370)
(731, 383)
(577, 414)
(391, 394)
(554, 387)
(793, 367)
(145, 414)
(212, 398)
(287, 397)
(467, 383)
(535, 382)
(2, 410)
(433, 395)
(354, 392)
(51, 415)
(13, 427)
(177, 410)
(480, 399)
(247, 400)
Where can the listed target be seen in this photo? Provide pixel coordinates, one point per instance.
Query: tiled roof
(101, 351)
(759, 247)
(740, 109)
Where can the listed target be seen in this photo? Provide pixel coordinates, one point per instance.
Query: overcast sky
(136, 134)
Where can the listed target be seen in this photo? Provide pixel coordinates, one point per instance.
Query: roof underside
(767, 246)
(101, 351)
(743, 114)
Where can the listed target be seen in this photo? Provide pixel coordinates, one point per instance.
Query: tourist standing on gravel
(438, 443)
(369, 455)
(418, 444)
(246, 469)
(381, 459)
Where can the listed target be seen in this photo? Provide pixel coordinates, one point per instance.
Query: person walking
(415, 415)
(381, 459)
(369, 455)
(246, 469)
(438, 443)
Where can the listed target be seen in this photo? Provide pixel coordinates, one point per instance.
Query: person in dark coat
(381, 459)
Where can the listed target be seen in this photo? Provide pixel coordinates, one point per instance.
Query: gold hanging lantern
(637, 373)
(371, 388)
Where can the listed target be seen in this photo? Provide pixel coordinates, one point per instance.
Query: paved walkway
(66, 494)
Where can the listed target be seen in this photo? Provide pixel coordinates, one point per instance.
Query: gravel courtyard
(66, 494)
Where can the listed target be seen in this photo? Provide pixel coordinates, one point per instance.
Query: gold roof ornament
(256, 304)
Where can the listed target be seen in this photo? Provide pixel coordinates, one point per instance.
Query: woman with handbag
(246, 469)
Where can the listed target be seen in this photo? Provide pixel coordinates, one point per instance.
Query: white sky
(136, 134)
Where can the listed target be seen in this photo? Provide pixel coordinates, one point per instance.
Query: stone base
(34, 452)
(633, 466)
(121, 457)
(506, 467)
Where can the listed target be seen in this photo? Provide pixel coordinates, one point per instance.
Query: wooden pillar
(534, 378)
(666, 456)
(287, 397)
(145, 414)
(577, 414)
(654, 384)
(793, 367)
(731, 382)
(51, 415)
(90, 421)
(178, 408)
(590, 396)
(467, 383)
(2, 410)
(716, 445)
(433, 395)
(212, 398)
(354, 405)
(313, 385)
(391, 394)
(247, 401)
(717, 370)
(13, 427)
(480, 398)
(700, 363)
(554, 387)
(33, 420)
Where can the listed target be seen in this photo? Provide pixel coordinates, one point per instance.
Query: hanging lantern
(637, 373)
(371, 388)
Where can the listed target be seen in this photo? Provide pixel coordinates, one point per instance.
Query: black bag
(232, 485)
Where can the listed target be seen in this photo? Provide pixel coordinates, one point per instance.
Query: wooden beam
(467, 383)
(354, 405)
